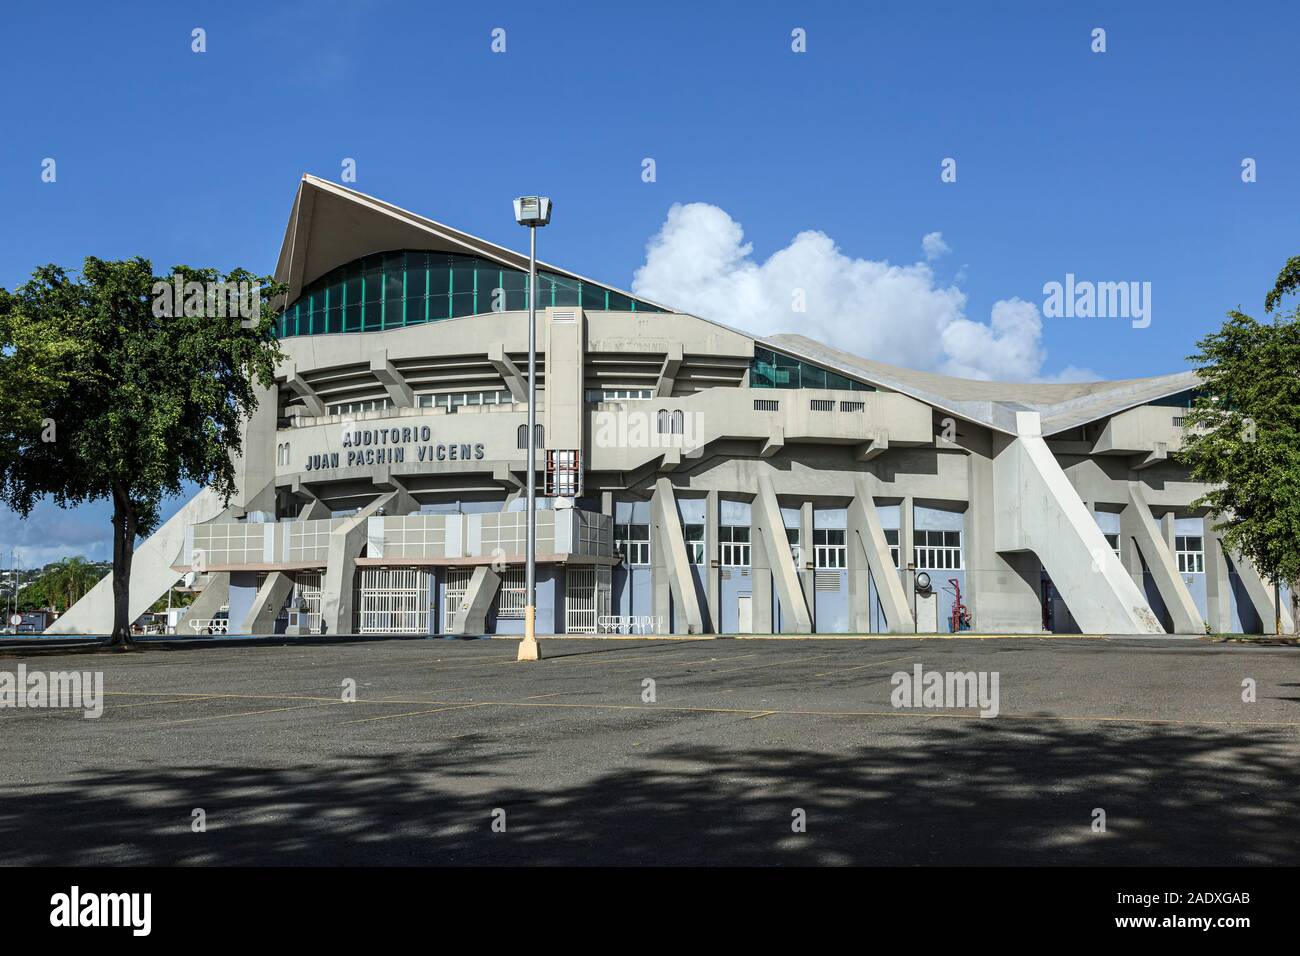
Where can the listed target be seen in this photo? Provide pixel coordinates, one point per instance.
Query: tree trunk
(124, 523)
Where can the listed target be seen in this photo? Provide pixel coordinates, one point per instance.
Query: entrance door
(744, 614)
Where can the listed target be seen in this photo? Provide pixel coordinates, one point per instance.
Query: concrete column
(866, 535)
(711, 555)
(1218, 585)
(760, 571)
(807, 574)
(563, 339)
(1137, 522)
(767, 516)
(672, 569)
(906, 536)
(1260, 593)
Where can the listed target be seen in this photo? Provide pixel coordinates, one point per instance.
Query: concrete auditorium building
(696, 479)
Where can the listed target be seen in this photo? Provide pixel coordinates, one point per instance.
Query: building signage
(392, 446)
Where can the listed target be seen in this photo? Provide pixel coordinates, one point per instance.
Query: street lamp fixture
(533, 212)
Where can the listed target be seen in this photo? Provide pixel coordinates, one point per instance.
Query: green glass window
(771, 369)
(566, 291)
(403, 287)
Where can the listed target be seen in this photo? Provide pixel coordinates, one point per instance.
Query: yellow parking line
(855, 667)
(246, 713)
(413, 713)
(782, 663)
(174, 700)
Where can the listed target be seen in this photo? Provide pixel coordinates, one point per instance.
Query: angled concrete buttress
(214, 596)
(346, 543)
(1038, 510)
(868, 538)
(277, 586)
(151, 571)
(795, 618)
(1261, 596)
(267, 603)
(471, 616)
(1137, 523)
(663, 506)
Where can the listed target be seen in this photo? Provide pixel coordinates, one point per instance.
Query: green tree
(68, 579)
(115, 390)
(1243, 435)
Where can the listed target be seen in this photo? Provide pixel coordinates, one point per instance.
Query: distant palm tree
(72, 578)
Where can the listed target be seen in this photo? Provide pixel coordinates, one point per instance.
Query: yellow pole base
(528, 648)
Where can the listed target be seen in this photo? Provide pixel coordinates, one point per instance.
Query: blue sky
(1115, 166)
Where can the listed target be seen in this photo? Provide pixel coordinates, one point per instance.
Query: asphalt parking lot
(445, 738)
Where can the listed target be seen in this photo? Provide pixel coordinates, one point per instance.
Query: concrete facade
(703, 480)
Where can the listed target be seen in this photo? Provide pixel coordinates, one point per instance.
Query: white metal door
(454, 589)
(580, 601)
(306, 585)
(586, 599)
(744, 616)
(393, 601)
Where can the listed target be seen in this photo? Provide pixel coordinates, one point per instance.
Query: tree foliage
(1243, 435)
(108, 397)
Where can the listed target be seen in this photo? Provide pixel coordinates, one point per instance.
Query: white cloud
(700, 263)
(933, 246)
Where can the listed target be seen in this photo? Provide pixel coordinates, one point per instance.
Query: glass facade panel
(403, 287)
(771, 369)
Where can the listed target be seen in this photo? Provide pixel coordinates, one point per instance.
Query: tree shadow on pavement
(950, 792)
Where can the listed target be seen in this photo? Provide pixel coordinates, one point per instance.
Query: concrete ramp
(151, 571)
(1038, 510)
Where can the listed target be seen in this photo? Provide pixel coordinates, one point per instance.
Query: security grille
(586, 599)
(766, 405)
(455, 587)
(306, 587)
(513, 595)
(853, 406)
(393, 601)
(563, 473)
(822, 405)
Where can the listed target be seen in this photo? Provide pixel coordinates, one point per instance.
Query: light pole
(531, 211)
